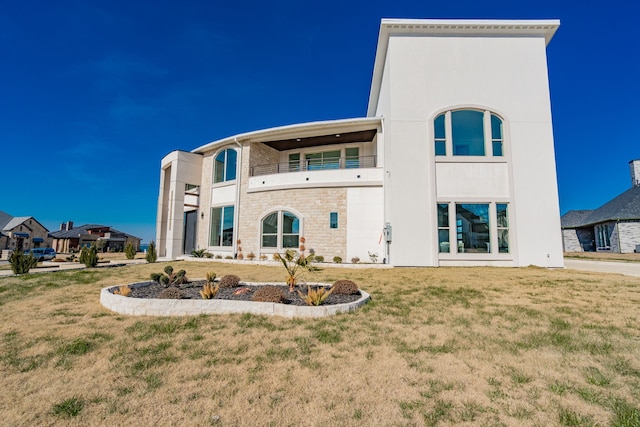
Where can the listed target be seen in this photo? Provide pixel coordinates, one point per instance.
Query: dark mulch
(192, 291)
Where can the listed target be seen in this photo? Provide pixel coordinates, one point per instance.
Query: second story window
(468, 132)
(224, 166)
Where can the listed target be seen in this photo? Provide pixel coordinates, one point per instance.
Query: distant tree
(130, 251)
(152, 255)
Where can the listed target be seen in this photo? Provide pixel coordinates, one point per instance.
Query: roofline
(451, 27)
(282, 131)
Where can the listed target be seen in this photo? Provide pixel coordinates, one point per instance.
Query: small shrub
(21, 263)
(355, 260)
(228, 257)
(130, 251)
(71, 258)
(319, 258)
(211, 277)
(199, 253)
(170, 278)
(276, 257)
(171, 293)
(218, 257)
(229, 281)
(123, 290)
(337, 260)
(345, 287)
(269, 294)
(240, 256)
(315, 296)
(373, 256)
(152, 255)
(208, 255)
(263, 257)
(251, 256)
(209, 290)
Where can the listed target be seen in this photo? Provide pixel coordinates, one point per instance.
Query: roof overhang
(451, 28)
(305, 134)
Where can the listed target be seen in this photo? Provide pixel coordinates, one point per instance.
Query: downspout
(236, 209)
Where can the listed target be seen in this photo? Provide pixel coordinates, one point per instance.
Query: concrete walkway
(626, 268)
(48, 266)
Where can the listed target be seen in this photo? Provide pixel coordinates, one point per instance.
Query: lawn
(445, 346)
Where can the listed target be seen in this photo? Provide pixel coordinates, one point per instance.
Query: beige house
(452, 165)
(21, 233)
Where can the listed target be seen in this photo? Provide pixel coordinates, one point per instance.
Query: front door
(189, 238)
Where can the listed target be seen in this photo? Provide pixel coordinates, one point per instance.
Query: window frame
(225, 167)
(221, 236)
(443, 147)
(280, 234)
(455, 228)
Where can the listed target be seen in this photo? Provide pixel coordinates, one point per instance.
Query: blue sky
(93, 93)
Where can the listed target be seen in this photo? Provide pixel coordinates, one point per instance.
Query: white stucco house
(453, 164)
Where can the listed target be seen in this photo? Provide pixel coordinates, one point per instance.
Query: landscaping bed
(244, 292)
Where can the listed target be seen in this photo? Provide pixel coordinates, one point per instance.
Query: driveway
(626, 268)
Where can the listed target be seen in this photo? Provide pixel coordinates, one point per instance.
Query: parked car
(42, 254)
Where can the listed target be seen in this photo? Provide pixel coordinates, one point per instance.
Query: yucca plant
(296, 265)
(209, 290)
(315, 296)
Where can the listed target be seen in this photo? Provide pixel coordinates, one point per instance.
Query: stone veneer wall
(570, 240)
(629, 236)
(260, 154)
(314, 205)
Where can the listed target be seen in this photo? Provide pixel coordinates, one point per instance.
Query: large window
(224, 166)
(221, 226)
(280, 230)
(472, 133)
(324, 160)
(479, 227)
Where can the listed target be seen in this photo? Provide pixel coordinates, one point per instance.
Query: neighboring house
(613, 227)
(453, 165)
(21, 233)
(71, 239)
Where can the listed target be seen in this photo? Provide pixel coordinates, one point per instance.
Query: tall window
(352, 157)
(221, 226)
(474, 229)
(473, 133)
(224, 166)
(503, 227)
(280, 230)
(443, 227)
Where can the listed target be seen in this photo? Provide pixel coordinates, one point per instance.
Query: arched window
(468, 132)
(280, 230)
(224, 166)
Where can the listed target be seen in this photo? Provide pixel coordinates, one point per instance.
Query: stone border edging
(192, 307)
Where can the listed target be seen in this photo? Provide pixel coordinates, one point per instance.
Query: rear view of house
(453, 164)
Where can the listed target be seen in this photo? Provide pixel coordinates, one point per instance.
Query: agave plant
(315, 296)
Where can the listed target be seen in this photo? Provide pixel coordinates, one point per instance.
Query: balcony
(320, 164)
(332, 172)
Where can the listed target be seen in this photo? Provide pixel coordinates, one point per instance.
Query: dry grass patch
(447, 346)
(604, 256)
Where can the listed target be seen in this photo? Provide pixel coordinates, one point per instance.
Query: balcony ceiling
(315, 141)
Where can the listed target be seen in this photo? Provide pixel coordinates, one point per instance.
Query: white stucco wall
(365, 221)
(508, 76)
(177, 169)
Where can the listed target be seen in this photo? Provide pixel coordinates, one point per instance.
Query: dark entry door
(190, 224)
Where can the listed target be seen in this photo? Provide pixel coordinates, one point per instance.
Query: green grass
(69, 408)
